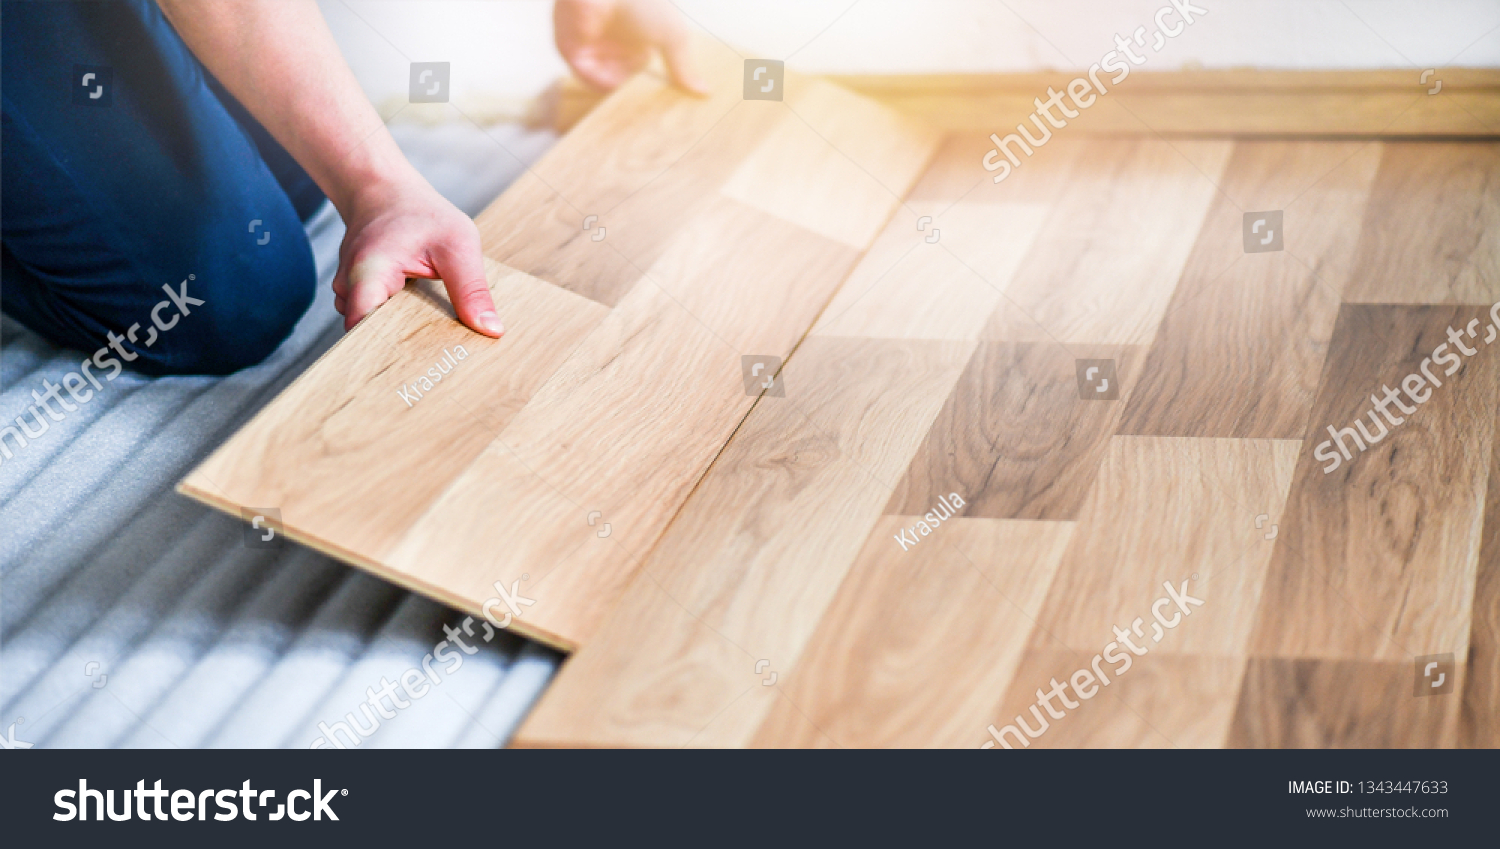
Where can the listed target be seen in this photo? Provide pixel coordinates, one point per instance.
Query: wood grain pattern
(756, 587)
(670, 353)
(614, 399)
(1432, 232)
(752, 561)
(299, 454)
(831, 144)
(608, 162)
(956, 173)
(1161, 701)
(1105, 264)
(1338, 704)
(1181, 690)
(1165, 509)
(1278, 655)
(938, 630)
(1015, 437)
(1221, 364)
(1480, 725)
(1377, 560)
(909, 288)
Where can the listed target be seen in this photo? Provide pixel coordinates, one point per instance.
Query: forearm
(279, 59)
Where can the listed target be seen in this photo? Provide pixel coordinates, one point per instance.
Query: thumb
(463, 274)
(677, 52)
(601, 72)
(371, 282)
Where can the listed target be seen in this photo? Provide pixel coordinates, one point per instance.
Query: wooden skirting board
(1383, 103)
(937, 510)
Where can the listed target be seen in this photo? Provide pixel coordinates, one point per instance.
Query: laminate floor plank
(935, 532)
(1015, 437)
(1106, 262)
(1242, 344)
(641, 186)
(919, 644)
(756, 555)
(910, 288)
(620, 378)
(1165, 516)
(1431, 234)
(297, 455)
(1159, 701)
(670, 353)
(1162, 510)
(1480, 725)
(1377, 558)
(1339, 704)
(956, 174)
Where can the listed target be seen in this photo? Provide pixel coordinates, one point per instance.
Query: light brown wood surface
(1240, 102)
(728, 225)
(1318, 592)
(1217, 368)
(772, 576)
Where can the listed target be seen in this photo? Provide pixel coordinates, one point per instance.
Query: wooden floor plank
(1104, 266)
(1016, 437)
(833, 143)
(1480, 722)
(641, 187)
(1241, 347)
(1160, 701)
(671, 354)
(713, 247)
(297, 455)
(1431, 234)
(756, 555)
(910, 288)
(1165, 509)
(1339, 704)
(957, 173)
(1377, 559)
(919, 644)
(742, 570)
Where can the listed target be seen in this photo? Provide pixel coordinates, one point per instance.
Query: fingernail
(491, 322)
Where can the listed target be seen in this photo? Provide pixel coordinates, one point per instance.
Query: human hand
(279, 59)
(406, 229)
(605, 41)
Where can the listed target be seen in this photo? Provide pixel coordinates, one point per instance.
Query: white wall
(887, 36)
(503, 48)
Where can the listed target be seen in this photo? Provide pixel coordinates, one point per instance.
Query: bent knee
(219, 323)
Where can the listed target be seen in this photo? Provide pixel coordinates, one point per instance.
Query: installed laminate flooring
(1168, 567)
(1044, 465)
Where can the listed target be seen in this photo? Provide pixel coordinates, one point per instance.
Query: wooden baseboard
(1379, 103)
(1230, 102)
